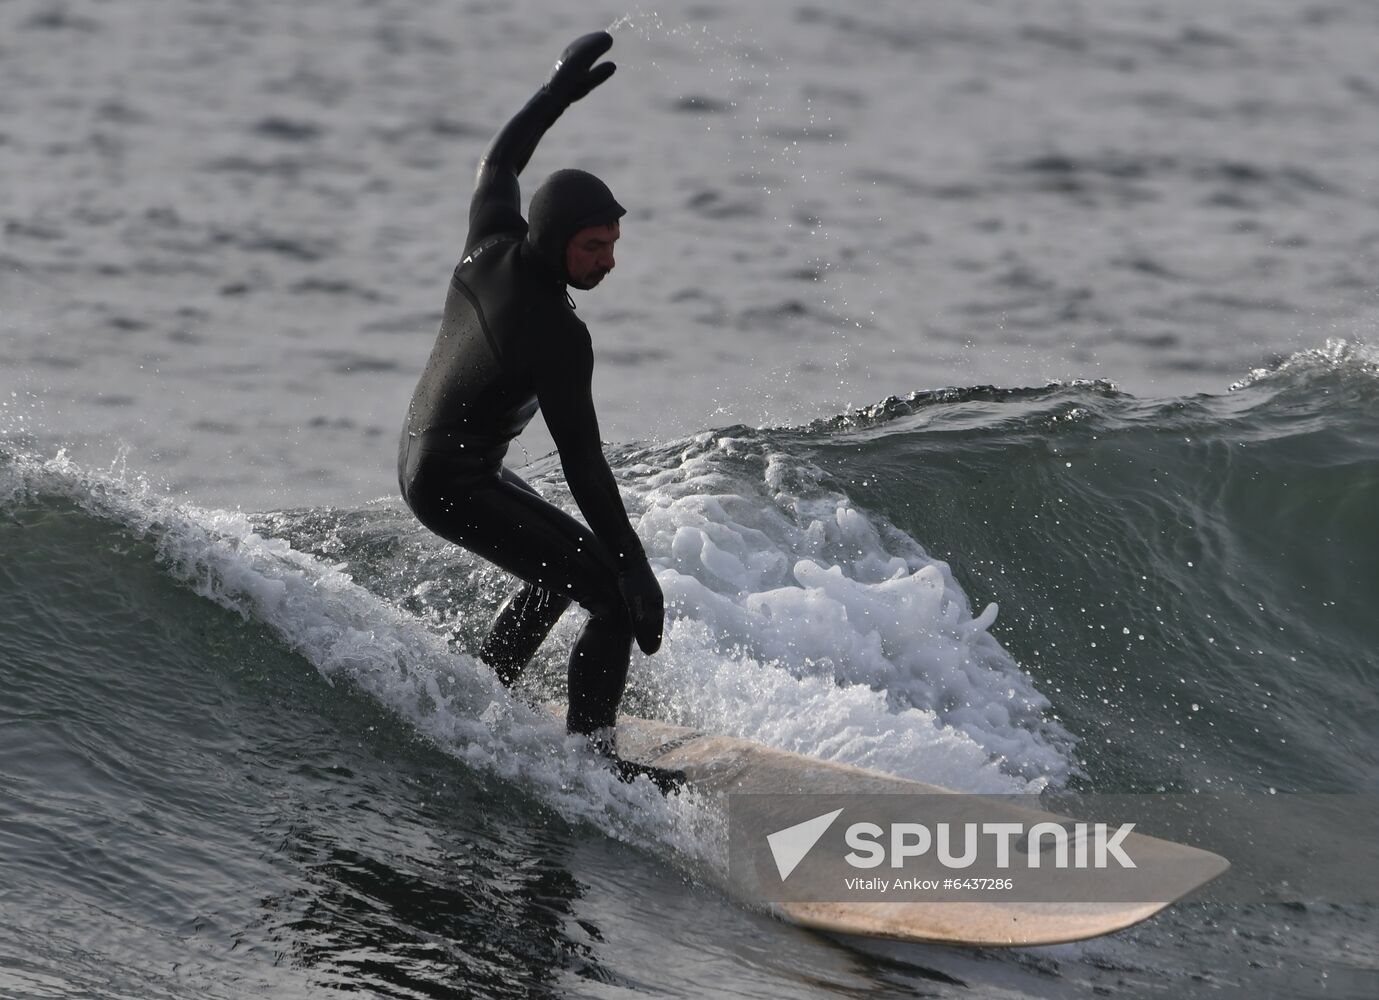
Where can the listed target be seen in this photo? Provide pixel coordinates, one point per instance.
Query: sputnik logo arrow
(789, 846)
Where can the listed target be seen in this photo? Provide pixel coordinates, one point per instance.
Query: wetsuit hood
(566, 202)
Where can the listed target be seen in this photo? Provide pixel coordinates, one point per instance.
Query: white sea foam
(797, 620)
(350, 634)
(800, 621)
(1337, 353)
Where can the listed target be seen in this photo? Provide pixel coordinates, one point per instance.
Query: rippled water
(227, 227)
(250, 753)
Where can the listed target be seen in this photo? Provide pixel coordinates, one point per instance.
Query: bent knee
(606, 604)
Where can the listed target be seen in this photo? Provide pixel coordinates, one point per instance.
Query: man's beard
(593, 279)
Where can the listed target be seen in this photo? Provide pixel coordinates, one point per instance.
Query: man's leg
(598, 661)
(506, 522)
(519, 628)
(598, 674)
(524, 619)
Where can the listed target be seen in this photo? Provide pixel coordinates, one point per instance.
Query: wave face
(1189, 581)
(262, 741)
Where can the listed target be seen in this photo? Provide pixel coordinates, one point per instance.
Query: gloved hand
(575, 74)
(642, 595)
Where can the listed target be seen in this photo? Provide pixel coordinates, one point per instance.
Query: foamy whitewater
(897, 627)
(799, 617)
(800, 622)
(991, 387)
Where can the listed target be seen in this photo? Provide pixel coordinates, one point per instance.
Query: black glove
(575, 74)
(642, 595)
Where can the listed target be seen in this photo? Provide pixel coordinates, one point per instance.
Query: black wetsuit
(509, 344)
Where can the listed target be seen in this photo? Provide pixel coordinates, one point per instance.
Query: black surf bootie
(604, 742)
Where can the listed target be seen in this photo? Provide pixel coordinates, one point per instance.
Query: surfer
(510, 344)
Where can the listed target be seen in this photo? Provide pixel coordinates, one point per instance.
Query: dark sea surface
(245, 749)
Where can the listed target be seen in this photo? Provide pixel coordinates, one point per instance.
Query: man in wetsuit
(510, 343)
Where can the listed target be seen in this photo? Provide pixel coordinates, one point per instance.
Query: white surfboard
(723, 764)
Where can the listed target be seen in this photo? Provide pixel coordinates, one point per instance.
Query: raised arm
(497, 203)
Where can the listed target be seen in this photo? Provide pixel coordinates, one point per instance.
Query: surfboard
(716, 764)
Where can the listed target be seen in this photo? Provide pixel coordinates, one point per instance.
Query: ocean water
(1042, 335)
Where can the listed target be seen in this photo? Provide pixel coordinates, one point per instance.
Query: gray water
(228, 226)
(227, 232)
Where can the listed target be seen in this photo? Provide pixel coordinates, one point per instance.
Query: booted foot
(604, 742)
(668, 780)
